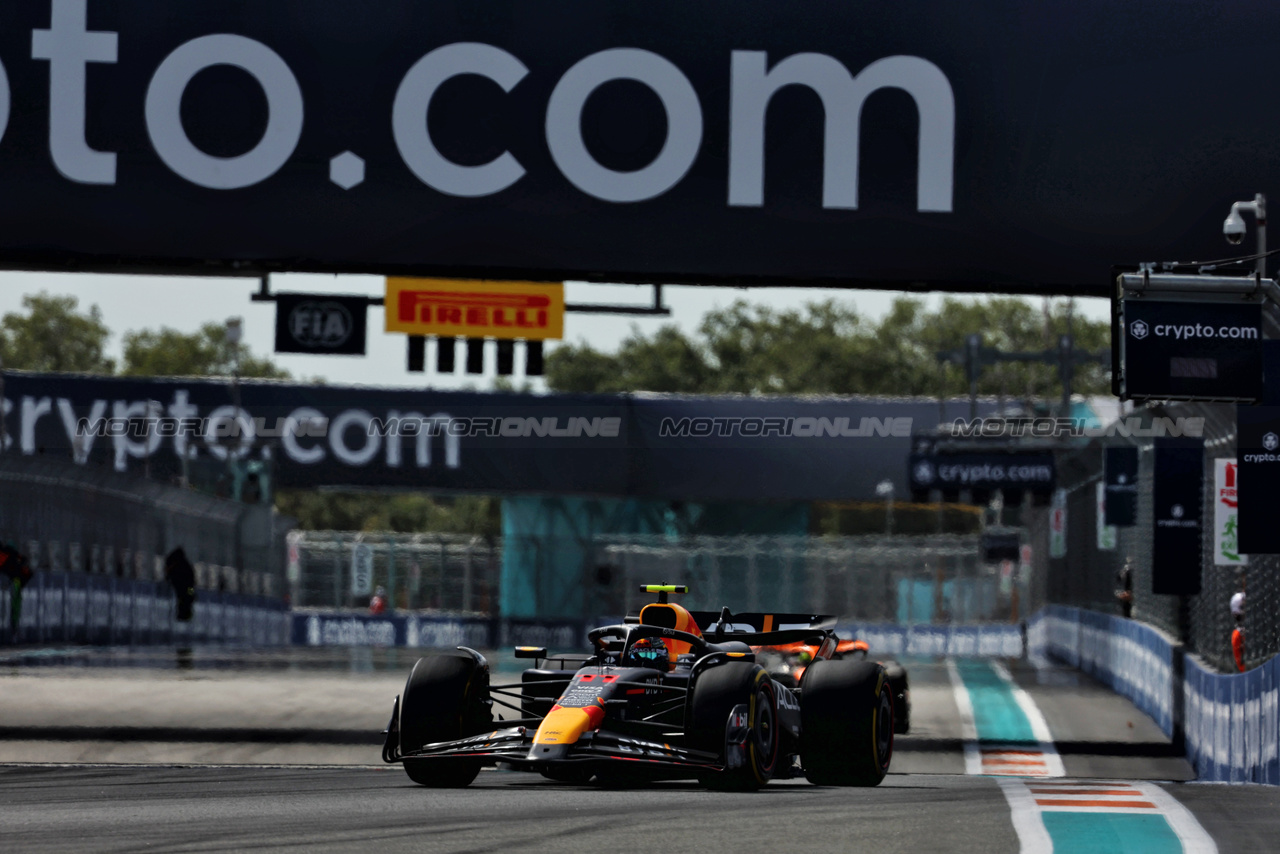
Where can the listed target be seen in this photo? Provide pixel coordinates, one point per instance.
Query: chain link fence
(885, 578)
(71, 518)
(1088, 577)
(455, 573)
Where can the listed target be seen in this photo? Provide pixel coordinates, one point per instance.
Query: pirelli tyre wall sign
(751, 141)
(447, 307)
(1190, 350)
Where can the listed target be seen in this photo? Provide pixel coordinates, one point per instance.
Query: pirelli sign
(475, 308)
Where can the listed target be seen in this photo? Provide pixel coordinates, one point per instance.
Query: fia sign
(320, 324)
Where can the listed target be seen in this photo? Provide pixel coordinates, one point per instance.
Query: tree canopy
(400, 512)
(54, 335)
(168, 352)
(828, 348)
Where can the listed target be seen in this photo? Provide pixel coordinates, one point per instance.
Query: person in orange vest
(1237, 635)
(378, 604)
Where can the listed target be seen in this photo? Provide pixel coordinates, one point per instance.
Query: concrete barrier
(75, 607)
(1228, 722)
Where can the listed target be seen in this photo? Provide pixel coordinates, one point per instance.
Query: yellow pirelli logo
(476, 308)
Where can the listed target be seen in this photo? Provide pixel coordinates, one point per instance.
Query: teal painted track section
(1117, 833)
(996, 714)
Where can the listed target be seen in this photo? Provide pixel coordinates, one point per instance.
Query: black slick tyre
(443, 700)
(715, 693)
(846, 712)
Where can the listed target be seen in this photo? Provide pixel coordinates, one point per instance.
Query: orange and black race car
(787, 663)
(668, 694)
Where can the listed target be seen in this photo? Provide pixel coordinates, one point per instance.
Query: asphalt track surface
(166, 755)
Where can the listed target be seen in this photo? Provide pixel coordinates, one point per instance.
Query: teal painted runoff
(1110, 833)
(996, 713)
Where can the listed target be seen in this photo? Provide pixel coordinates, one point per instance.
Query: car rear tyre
(444, 699)
(846, 711)
(715, 693)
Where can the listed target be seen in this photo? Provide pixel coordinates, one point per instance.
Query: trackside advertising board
(992, 145)
(1190, 350)
(1033, 471)
(1176, 495)
(686, 448)
(478, 309)
(1258, 451)
(1121, 472)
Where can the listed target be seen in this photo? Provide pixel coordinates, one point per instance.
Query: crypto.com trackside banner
(988, 145)
(689, 448)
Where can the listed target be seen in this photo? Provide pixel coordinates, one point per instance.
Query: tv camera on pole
(1191, 330)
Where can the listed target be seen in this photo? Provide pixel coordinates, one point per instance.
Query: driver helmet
(648, 652)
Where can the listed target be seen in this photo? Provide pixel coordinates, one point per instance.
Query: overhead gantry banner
(994, 145)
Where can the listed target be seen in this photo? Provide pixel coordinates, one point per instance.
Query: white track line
(968, 729)
(1033, 836)
(1047, 762)
(1026, 811)
(1039, 726)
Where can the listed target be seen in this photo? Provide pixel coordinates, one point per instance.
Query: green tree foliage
(402, 512)
(53, 335)
(828, 348)
(167, 352)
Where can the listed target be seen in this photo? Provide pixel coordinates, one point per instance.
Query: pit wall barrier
(73, 607)
(1228, 723)
(337, 628)
(994, 640)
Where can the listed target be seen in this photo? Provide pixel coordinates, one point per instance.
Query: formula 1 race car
(787, 663)
(656, 699)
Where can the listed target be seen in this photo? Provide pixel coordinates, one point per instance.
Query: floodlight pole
(234, 333)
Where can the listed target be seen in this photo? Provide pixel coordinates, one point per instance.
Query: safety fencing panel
(1230, 721)
(1232, 727)
(1089, 577)
(63, 607)
(97, 523)
(456, 573)
(1132, 658)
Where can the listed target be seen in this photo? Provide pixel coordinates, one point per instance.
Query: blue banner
(61, 607)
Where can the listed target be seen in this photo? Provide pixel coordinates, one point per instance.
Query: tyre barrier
(1228, 722)
(78, 608)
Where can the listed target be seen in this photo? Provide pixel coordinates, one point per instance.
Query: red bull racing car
(670, 694)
